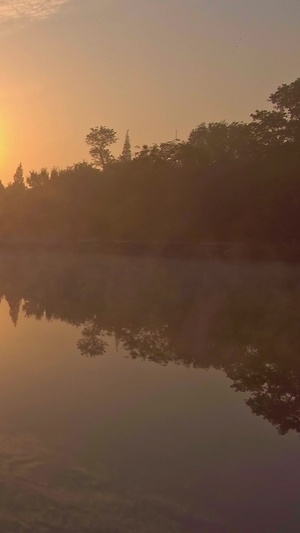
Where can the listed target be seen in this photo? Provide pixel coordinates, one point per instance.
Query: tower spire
(126, 152)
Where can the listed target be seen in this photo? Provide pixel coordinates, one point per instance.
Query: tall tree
(282, 125)
(287, 100)
(100, 139)
(268, 128)
(18, 178)
(126, 152)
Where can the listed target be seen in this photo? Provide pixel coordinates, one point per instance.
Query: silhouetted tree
(38, 179)
(220, 140)
(287, 99)
(269, 128)
(100, 139)
(18, 178)
(282, 125)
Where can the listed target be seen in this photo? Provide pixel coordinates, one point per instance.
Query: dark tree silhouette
(18, 178)
(287, 99)
(220, 140)
(100, 139)
(269, 128)
(38, 179)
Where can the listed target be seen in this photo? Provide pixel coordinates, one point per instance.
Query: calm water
(142, 395)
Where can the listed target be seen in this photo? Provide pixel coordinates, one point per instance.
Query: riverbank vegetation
(235, 183)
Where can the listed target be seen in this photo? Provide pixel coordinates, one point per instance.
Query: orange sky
(152, 66)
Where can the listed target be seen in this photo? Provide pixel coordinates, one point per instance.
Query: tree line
(229, 182)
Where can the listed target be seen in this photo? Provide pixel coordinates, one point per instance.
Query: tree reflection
(274, 389)
(243, 320)
(148, 344)
(92, 342)
(14, 304)
(257, 344)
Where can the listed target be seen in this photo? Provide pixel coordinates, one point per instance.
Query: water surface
(148, 395)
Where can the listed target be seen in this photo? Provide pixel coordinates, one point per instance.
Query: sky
(150, 66)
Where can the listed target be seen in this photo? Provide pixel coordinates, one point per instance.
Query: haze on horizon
(150, 66)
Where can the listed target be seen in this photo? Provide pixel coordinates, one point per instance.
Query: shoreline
(289, 252)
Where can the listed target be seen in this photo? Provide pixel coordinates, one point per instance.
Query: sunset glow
(150, 67)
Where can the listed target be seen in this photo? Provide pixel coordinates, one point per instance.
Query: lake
(148, 394)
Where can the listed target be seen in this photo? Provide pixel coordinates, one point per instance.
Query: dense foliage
(233, 182)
